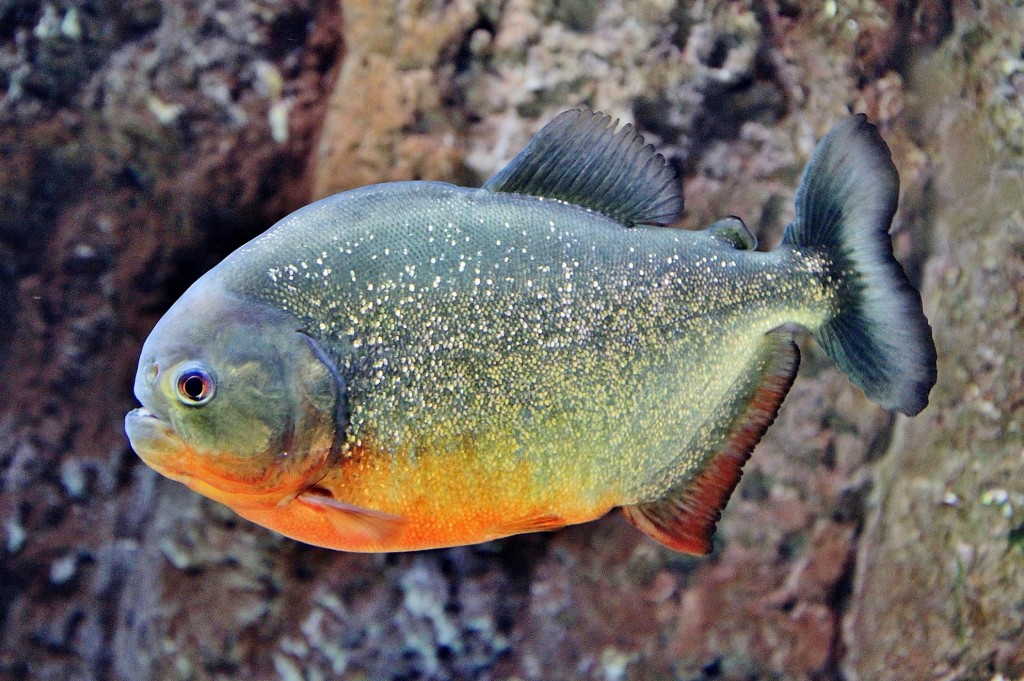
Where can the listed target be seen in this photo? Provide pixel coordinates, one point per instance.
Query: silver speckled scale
(603, 352)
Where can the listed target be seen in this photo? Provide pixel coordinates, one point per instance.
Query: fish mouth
(143, 426)
(162, 449)
(154, 440)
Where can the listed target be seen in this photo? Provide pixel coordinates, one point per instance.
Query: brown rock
(384, 120)
(137, 154)
(938, 579)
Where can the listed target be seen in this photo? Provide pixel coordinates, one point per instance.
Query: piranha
(414, 365)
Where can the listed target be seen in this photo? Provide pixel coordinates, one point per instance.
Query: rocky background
(143, 140)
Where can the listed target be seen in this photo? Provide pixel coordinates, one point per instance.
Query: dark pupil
(194, 387)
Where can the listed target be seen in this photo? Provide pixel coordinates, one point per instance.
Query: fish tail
(877, 332)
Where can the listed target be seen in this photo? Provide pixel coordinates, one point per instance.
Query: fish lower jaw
(159, 447)
(152, 438)
(163, 450)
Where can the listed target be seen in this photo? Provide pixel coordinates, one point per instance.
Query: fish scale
(414, 364)
(505, 323)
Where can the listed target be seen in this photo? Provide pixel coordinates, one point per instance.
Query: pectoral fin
(349, 519)
(685, 518)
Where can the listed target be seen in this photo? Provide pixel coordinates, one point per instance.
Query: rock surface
(939, 580)
(140, 142)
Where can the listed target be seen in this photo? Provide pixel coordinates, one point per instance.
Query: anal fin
(685, 519)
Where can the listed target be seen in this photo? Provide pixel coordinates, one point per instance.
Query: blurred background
(141, 141)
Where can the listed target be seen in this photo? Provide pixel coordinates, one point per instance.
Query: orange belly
(438, 500)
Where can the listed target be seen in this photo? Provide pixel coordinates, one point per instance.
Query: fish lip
(161, 448)
(149, 418)
(152, 437)
(141, 417)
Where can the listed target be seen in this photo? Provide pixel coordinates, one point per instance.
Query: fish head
(237, 403)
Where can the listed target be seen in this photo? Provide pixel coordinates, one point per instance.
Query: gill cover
(275, 415)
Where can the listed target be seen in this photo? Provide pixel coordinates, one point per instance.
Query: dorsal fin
(686, 517)
(580, 158)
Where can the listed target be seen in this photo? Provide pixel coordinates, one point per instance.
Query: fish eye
(195, 386)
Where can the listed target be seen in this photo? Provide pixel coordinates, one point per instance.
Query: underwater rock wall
(137, 148)
(939, 584)
(140, 142)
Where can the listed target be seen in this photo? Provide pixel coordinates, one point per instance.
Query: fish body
(438, 365)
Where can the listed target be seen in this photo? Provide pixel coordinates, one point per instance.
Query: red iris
(195, 385)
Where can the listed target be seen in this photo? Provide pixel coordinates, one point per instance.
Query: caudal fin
(879, 335)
